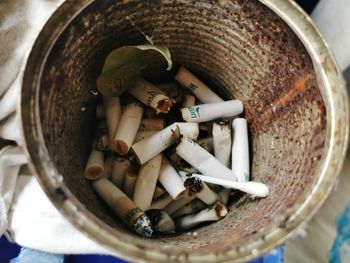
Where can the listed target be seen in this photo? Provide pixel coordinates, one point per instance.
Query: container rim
(334, 94)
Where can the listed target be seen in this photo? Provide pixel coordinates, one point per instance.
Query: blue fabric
(275, 256)
(7, 250)
(340, 251)
(92, 259)
(34, 256)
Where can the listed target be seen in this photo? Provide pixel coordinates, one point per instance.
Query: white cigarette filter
(140, 135)
(214, 213)
(152, 96)
(202, 160)
(170, 179)
(123, 207)
(94, 168)
(112, 112)
(130, 181)
(212, 111)
(159, 191)
(175, 205)
(154, 124)
(127, 128)
(222, 142)
(189, 101)
(240, 150)
(100, 112)
(146, 149)
(120, 166)
(161, 221)
(207, 144)
(102, 141)
(146, 182)
(197, 188)
(192, 207)
(197, 87)
(172, 89)
(108, 167)
(256, 189)
(161, 202)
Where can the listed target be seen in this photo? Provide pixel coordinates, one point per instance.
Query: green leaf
(122, 68)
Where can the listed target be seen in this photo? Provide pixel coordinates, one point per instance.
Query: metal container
(266, 53)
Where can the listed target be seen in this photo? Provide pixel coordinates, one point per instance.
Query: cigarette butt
(225, 195)
(207, 144)
(108, 167)
(127, 128)
(212, 111)
(192, 207)
(170, 179)
(197, 87)
(161, 202)
(196, 187)
(172, 89)
(146, 149)
(130, 181)
(140, 135)
(202, 160)
(189, 101)
(256, 189)
(123, 207)
(161, 221)
(102, 140)
(100, 112)
(113, 113)
(152, 96)
(146, 182)
(120, 167)
(175, 205)
(159, 191)
(215, 213)
(95, 165)
(240, 150)
(155, 124)
(222, 142)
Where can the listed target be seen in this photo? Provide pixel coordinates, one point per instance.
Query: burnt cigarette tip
(193, 185)
(164, 106)
(120, 147)
(93, 173)
(222, 122)
(220, 209)
(154, 215)
(143, 227)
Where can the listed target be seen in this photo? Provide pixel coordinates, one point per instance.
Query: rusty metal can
(266, 53)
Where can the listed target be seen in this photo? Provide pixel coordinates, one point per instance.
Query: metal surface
(274, 61)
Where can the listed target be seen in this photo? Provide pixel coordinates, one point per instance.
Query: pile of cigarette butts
(168, 159)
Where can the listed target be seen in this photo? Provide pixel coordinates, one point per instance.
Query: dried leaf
(162, 50)
(122, 68)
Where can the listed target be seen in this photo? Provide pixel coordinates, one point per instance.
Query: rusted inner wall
(239, 48)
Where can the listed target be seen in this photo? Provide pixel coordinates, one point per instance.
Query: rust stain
(300, 85)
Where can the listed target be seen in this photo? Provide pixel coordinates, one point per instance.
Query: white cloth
(11, 159)
(25, 211)
(34, 222)
(333, 20)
